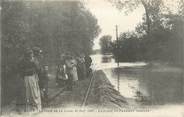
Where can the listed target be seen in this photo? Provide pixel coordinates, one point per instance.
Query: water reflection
(163, 87)
(147, 84)
(128, 83)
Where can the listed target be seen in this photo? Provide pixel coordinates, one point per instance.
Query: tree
(105, 43)
(55, 27)
(176, 39)
(149, 6)
(129, 48)
(165, 43)
(181, 7)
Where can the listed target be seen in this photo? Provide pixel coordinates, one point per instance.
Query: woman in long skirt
(29, 72)
(71, 71)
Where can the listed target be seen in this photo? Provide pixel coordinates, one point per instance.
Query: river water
(152, 86)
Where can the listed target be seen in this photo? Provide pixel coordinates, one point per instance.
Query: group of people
(72, 68)
(32, 93)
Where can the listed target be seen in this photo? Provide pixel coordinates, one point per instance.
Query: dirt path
(102, 95)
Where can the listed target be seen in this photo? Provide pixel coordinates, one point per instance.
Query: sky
(108, 16)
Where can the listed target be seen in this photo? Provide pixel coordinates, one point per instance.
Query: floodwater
(152, 86)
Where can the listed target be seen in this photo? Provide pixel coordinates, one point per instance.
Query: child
(45, 85)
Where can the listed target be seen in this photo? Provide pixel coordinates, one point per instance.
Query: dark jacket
(81, 70)
(27, 67)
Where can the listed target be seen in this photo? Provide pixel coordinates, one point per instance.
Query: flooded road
(153, 86)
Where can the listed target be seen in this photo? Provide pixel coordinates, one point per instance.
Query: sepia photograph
(92, 58)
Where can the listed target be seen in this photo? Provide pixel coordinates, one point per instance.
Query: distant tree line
(56, 27)
(106, 44)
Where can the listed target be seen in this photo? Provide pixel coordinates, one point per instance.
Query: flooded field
(153, 86)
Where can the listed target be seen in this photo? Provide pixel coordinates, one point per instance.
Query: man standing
(88, 62)
(81, 67)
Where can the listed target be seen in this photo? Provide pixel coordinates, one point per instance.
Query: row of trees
(158, 38)
(55, 27)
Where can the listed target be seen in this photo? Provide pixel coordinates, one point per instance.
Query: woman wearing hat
(28, 70)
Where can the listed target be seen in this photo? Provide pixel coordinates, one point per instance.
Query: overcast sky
(108, 16)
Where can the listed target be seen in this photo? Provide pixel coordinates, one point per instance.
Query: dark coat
(81, 70)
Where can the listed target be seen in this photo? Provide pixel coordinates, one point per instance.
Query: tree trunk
(147, 17)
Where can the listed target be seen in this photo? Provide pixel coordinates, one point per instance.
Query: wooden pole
(88, 90)
(0, 60)
(117, 40)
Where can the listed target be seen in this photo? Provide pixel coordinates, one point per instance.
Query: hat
(28, 51)
(37, 50)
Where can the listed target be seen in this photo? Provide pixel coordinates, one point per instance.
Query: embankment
(103, 94)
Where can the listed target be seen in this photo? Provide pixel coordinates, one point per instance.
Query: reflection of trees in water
(154, 87)
(163, 87)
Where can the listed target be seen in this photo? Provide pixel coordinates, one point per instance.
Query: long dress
(32, 99)
(74, 74)
(72, 69)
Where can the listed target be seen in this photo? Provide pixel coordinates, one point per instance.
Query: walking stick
(88, 90)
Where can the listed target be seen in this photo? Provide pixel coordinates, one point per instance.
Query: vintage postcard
(92, 58)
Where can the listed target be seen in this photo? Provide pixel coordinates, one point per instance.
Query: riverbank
(101, 95)
(155, 82)
(163, 82)
(150, 85)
